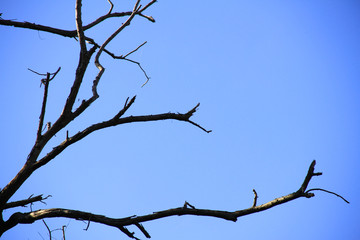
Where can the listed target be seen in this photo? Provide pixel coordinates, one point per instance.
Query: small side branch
(23, 203)
(45, 81)
(255, 198)
(111, 7)
(187, 209)
(47, 227)
(320, 189)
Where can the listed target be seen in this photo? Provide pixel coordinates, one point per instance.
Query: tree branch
(46, 82)
(73, 33)
(23, 203)
(120, 223)
(116, 120)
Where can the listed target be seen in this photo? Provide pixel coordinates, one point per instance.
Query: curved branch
(120, 223)
(116, 120)
(320, 189)
(73, 33)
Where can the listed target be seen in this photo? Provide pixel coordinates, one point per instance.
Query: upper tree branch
(116, 120)
(79, 27)
(46, 82)
(73, 33)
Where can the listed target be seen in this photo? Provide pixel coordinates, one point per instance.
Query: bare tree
(91, 51)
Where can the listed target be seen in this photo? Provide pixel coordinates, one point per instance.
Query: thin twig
(255, 198)
(47, 228)
(135, 49)
(320, 189)
(186, 204)
(23, 203)
(147, 77)
(143, 230)
(111, 7)
(63, 231)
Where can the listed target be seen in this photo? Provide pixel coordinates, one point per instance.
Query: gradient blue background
(278, 83)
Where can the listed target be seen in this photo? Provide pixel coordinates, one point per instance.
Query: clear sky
(278, 83)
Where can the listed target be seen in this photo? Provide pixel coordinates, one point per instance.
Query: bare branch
(46, 82)
(147, 77)
(79, 28)
(47, 227)
(111, 7)
(308, 177)
(320, 189)
(125, 24)
(23, 203)
(135, 49)
(63, 231)
(143, 230)
(255, 198)
(186, 204)
(73, 33)
(120, 223)
(114, 122)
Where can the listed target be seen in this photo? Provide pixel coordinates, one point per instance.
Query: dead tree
(91, 51)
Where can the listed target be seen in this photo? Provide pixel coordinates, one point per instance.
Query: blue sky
(278, 83)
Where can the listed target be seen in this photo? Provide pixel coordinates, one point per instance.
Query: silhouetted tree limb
(69, 113)
(23, 203)
(73, 33)
(121, 223)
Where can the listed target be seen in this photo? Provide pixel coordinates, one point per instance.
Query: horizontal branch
(116, 120)
(186, 209)
(23, 203)
(71, 33)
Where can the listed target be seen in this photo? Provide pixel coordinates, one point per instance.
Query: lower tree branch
(120, 223)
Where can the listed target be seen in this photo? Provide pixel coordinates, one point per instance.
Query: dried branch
(120, 223)
(127, 59)
(143, 230)
(47, 227)
(46, 82)
(73, 33)
(111, 7)
(23, 203)
(116, 120)
(79, 29)
(255, 198)
(147, 77)
(320, 189)
(125, 24)
(135, 49)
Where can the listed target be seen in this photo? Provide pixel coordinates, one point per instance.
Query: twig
(186, 204)
(135, 49)
(147, 77)
(88, 224)
(45, 81)
(255, 198)
(320, 189)
(23, 203)
(63, 231)
(111, 7)
(143, 230)
(47, 227)
(125, 108)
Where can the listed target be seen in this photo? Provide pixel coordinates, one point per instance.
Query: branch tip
(255, 198)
